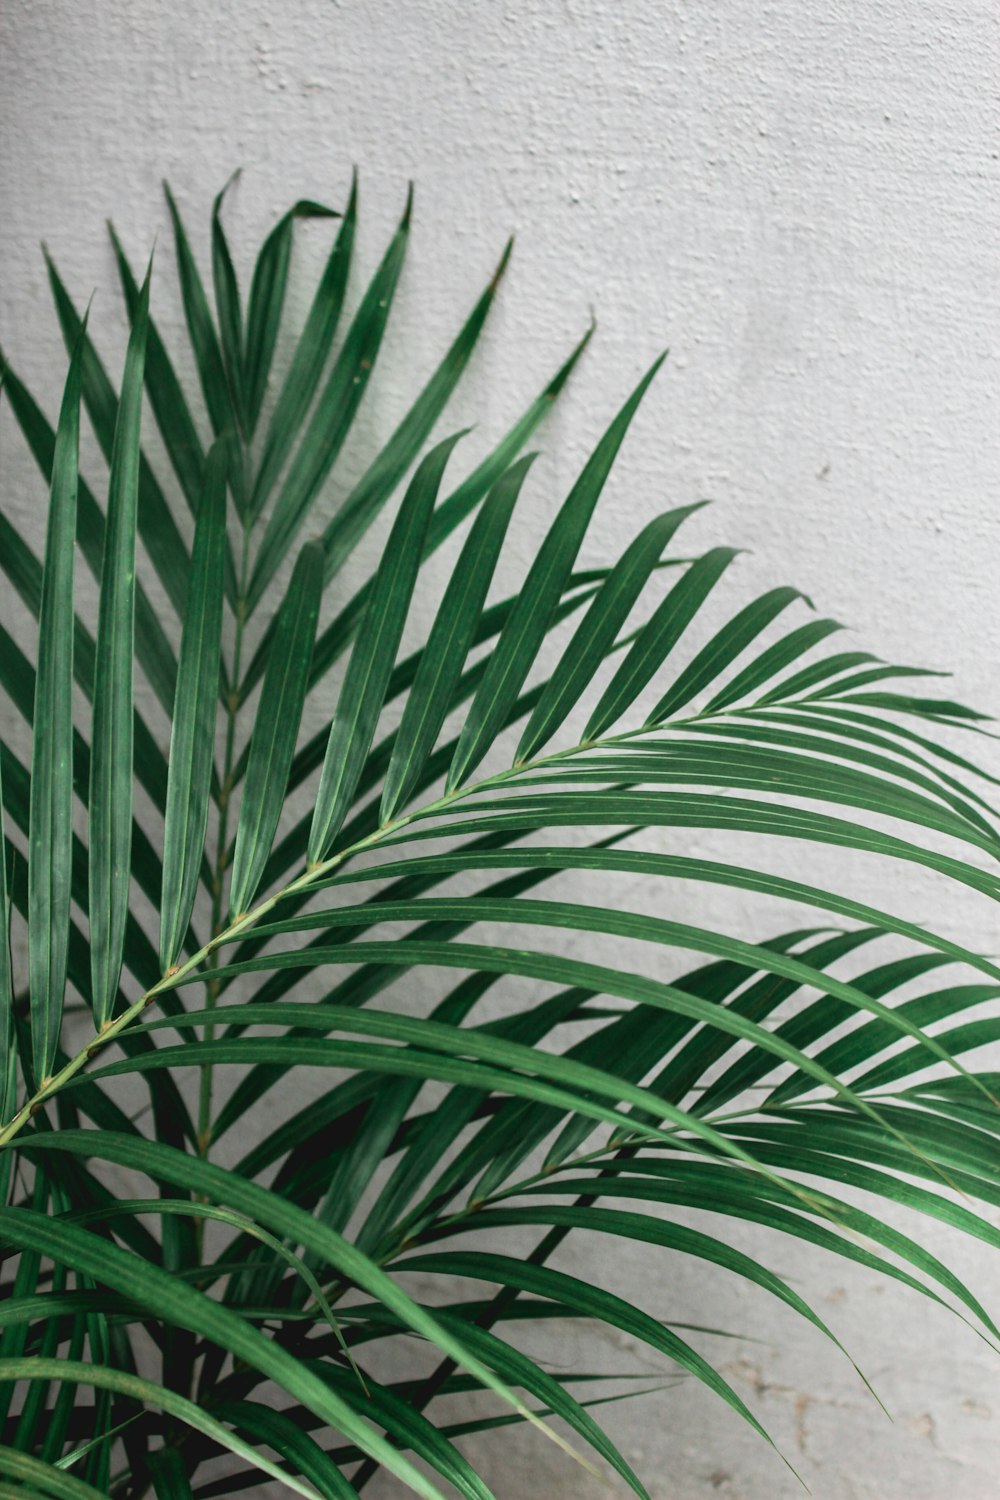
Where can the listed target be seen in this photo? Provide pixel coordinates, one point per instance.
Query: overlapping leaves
(547, 735)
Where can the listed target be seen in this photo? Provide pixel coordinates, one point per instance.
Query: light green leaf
(43, 1477)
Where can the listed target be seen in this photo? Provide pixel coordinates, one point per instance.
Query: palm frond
(351, 882)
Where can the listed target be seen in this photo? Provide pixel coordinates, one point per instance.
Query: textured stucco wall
(803, 200)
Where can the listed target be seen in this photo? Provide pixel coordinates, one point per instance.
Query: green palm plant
(229, 1289)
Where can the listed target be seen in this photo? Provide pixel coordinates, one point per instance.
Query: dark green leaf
(310, 356)
(371, 663)
(110, 823)
(722, 649)
(657, 638)
(227, 306)
(441, 662)
(524, 632)
(192, 737)
(599, 629)
(267, 300)
(50, 836)
(276, 726)
(332, 416)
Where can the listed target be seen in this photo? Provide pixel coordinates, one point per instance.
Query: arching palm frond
(464, 902)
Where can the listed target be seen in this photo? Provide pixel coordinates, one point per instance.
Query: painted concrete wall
(803, 201)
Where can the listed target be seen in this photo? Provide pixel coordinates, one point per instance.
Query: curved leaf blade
(129, 1385)
(306, 367)
(8, 1051)
(374, 654)
(50, 829)
(657, 639)
(524, 632)
(192, 735)
(332, 416)
(723, 648)
(276, 726)
(452, 633)
(110, 804)
(267, 300)
(598, 629)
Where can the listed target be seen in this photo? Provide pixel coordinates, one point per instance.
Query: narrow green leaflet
(408, 1427)
(157, 527)
(639, 1228)
(775, 659)
(50, 837)
(267, 300)
(524, 632)
(153, 648)
(227, 306)
(308, 361)
(597, 978)
(110, 824)
(586, 1301)
(723, 648)
(807, 677)
(374, 654)
(352, 519)
(126, 1384)
(657, 638)
(204, 339)
(332, 416)
(183, 1306)
(671, 866)
(518, 1369)
(42, 1476)
(166, 1468)
(269, 1209)
(337, 636)
(170, 407)
(192, 735)
(8, 1052)
(287, 1438)
(442, 659)
(594, 809)
(276, 726)
(599, 629)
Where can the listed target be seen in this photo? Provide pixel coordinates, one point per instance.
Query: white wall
(803, 200)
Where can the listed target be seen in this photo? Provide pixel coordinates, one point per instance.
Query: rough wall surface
(803, 201)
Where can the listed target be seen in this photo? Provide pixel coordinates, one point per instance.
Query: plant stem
(311, 876)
